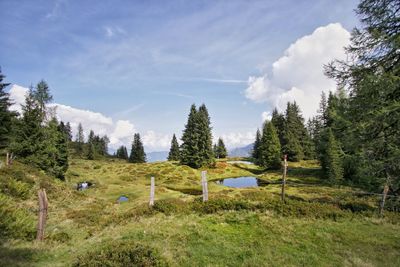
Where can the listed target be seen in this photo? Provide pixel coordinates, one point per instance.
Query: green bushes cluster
(15, 222)
(293, 207)
(121, 253)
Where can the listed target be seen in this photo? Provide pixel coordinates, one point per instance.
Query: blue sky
(146, 62)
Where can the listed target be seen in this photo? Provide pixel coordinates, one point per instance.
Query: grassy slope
(258, 231)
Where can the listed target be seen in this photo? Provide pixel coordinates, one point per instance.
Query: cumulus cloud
(154, 141)
(266, 116)
(233, 140)
(298, 74)
(120, 132)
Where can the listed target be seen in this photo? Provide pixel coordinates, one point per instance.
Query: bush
(14, 222)
(121, 253)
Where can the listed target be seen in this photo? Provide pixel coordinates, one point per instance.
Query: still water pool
(240, 182)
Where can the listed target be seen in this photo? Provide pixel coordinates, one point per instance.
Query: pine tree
(270, 148)
(221, 151)
(331, 162)
(196, 149)
(278, 120)
(256, 148)
(80, 139)
(40, 143)
(174, 153)
(215, 150)
(68, 130)
(372, 79)
(42, 96)
(292, 134)
(122, 153)
(5, 114)
(91, 152)
(137, 151)
(205, 136)
(29, 133)
(190, 154)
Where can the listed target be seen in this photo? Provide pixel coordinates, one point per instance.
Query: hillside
(318, 225)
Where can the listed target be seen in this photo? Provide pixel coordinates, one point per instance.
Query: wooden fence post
(152, 189)
(43, 204)
(204, 185)
(284, 177)
(7, 159)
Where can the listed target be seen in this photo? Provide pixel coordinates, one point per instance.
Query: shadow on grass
(300, 172)
(17, 256)
(253, 171)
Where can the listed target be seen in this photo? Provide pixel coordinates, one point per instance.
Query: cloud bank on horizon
(298, 75)
(120, 132)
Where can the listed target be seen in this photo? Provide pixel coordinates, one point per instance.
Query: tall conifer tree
(137, 152)
(5, 114)
(270, 148)
(174, 153)
(257, 147)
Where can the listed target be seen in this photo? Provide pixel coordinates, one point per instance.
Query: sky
(121, 67)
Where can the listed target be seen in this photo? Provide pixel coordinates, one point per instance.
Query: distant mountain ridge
(241, 151)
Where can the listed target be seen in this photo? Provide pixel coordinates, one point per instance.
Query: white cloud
(120, 132)
(298, 75)
(266, 116)
(112, 31)
(154, 141)
(233, 140)
(17, 94)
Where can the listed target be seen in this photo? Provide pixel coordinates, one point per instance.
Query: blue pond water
(123, 199)
(240, 182)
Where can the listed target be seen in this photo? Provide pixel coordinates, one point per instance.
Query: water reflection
(241, 182)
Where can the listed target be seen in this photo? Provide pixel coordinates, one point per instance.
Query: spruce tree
(68, 130)
(5, 114)
(91, 152)
(80, 139)
(205, 136)
(270, 147)
(256, 148)
(197, 150)
(122, 153)
(332, 163)
(137, 152)
(190, 154)
(40, 143)
(221, 149)
(42, 96)
(174, 153)
(215, 150)
(278, 120)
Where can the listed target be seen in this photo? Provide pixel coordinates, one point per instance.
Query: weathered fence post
(43, 204)
(284, 177)
(152, 189)
(7, 159)
(204, 185)
(383, 200)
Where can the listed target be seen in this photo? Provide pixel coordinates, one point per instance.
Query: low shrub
(15, 222)
(121, 253)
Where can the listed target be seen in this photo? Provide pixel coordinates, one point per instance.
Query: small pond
(123, 199)
(240, 162)
(240, 182)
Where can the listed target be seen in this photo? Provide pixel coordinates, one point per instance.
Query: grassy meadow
(319, 225)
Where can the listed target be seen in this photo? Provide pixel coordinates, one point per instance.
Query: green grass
(319, 225)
